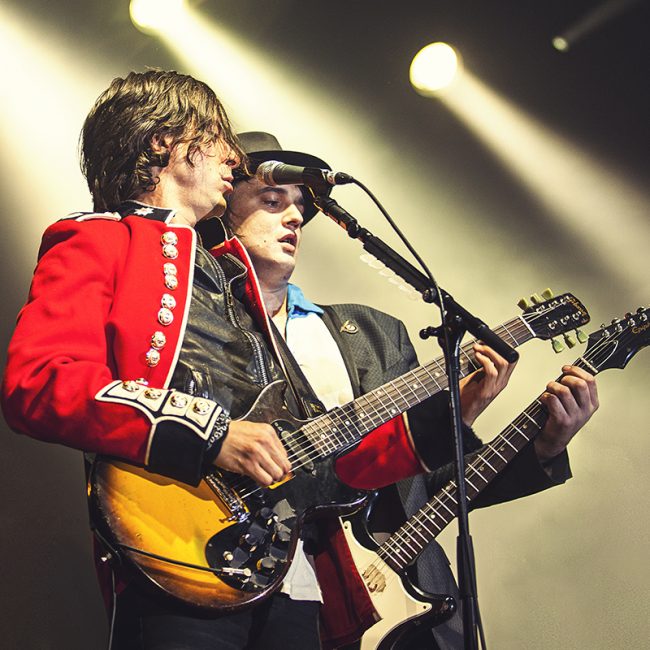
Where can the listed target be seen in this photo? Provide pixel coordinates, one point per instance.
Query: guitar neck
(482, 467)
(344, 426)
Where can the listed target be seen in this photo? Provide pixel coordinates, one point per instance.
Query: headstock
(614, 345)
(551, 316)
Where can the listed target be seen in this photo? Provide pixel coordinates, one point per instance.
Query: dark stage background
(536, 176)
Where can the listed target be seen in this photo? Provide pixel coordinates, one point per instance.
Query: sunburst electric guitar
(401, 604)
(228, 543)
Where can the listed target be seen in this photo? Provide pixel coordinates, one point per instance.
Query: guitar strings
(336, 428)
(301, 451)
(413, 536)
(394, 545)
(392, 391)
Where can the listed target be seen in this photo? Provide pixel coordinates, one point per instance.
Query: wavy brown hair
(116, 139)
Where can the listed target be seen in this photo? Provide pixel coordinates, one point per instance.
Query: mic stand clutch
(456, 320)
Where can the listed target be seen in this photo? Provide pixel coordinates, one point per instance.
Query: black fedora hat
(260, 147)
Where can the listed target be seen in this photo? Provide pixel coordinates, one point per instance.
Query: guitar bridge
(232, 501)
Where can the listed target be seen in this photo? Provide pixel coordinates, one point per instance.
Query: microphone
(273, 172)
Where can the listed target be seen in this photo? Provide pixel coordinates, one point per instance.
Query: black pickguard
(255, 552)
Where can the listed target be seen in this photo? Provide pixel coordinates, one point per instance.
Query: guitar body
(227, 543)
(401, 605)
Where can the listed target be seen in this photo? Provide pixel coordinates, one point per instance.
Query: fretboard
(482, 467)
(344, 426)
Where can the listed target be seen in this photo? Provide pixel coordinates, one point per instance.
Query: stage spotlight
(560, 44)
(434, 68)
(152, 15)
(594, 19)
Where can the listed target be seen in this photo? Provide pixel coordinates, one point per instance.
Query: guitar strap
(301, 395)
(302, 401)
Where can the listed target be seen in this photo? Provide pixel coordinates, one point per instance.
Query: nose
(231, 159)
(231, 162)
(293, 217)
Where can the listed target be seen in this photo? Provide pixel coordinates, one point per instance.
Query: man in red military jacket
(139, 344)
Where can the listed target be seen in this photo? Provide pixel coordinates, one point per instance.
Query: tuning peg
(524, 304)
(558, 346)
(547, 294)
(570, 339)
(536, 298)
(582, 337)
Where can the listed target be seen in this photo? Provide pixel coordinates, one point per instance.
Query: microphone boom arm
(396, 263)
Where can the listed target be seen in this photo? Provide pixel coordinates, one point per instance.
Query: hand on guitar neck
(570, 402)
(481, 387)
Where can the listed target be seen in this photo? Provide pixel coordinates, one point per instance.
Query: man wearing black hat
(344, 351)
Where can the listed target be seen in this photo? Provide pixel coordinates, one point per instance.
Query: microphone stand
(456, 320)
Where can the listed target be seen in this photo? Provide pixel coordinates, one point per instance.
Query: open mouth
(290, 238)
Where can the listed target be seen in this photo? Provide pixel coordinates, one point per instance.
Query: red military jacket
(105, 320)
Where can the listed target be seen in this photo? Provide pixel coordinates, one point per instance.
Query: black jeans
(144, 622)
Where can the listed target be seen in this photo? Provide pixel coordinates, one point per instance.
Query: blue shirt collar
(298, 305)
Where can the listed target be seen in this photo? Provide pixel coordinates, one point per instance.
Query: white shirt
(320, 360)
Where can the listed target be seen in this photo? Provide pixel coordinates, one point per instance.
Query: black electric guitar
(400, 604)
(228, 543)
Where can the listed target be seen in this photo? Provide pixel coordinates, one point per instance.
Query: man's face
(200, 189)
(268, 222)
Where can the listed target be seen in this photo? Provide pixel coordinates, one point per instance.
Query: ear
(160, 150)
(161, 143)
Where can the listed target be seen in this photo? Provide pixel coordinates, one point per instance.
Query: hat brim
(291, 158)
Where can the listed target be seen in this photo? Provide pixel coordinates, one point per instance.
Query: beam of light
(243, 75)
(154, 15)
(590, 22)
(434, 68)
(45, 94)
(261, 91)
(590, 200)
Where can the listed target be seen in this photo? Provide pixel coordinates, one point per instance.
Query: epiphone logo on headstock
(642, 328)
